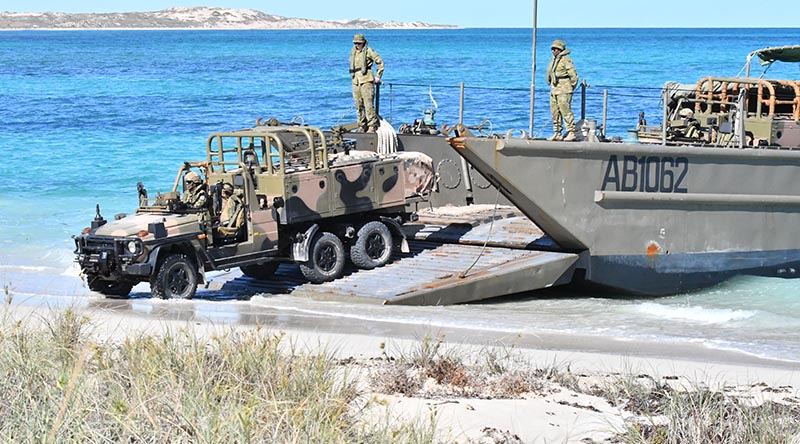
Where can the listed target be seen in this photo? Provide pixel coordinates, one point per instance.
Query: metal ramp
(447, 265)
(433, 274)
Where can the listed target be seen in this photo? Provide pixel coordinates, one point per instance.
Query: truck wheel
(327, 259)
(176, 278)
(114, 289)
(260, 271)
(373, 246)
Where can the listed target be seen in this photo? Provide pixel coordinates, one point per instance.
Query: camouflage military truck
(301, 198)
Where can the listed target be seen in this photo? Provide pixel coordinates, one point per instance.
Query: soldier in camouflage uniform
(362, 57)
(562, 78)
(231, 214)
(194, 195)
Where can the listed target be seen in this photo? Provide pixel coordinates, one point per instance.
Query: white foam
(25, 268)
(694, 314)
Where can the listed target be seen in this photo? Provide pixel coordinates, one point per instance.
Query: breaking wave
(695, 314)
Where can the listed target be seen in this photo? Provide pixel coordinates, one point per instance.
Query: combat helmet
(359, 38)
(558, 44)
(227, 188)
(192, 177)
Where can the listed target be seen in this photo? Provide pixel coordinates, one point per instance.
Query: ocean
(84, 115)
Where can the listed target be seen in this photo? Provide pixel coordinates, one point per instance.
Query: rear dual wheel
(373, 246)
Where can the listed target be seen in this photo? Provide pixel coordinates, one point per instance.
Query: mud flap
(300, 248)
(397, 231)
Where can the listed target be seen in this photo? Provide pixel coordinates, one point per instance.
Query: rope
(488, 235)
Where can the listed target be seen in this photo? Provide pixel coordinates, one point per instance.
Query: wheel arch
(190, 251)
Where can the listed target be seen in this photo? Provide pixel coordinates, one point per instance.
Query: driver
(194, 195)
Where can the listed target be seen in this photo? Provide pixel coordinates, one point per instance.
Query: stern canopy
(788, 54)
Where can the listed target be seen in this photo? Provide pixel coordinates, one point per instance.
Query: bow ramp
(448, 264)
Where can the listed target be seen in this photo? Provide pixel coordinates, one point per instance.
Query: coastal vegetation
(61, 382)
(668, 410)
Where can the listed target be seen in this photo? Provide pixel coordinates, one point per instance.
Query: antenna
(533, 69)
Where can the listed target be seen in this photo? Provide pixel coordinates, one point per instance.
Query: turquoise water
(84, 115)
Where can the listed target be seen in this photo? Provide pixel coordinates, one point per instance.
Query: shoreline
(243, 314)
(41, 289)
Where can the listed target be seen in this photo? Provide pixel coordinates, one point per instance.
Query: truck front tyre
(111, 289)
(326, 262)
(260, 271)
(373, 246)
(176, 278)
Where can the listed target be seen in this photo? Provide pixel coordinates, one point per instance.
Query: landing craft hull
(653, 219)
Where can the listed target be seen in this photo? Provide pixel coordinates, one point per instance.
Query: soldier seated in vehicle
(194, 191)
(231, 215)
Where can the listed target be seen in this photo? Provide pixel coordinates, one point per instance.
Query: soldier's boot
(362, 129)
(570, 136)
(555, 136)
(372, 129)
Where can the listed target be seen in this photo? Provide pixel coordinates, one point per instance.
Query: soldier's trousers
(561, 109)
(364, 98)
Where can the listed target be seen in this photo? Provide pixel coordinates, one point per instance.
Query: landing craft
(710, 194)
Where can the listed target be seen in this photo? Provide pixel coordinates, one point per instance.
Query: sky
(488, 14)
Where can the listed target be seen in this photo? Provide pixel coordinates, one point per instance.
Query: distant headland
(190, 18)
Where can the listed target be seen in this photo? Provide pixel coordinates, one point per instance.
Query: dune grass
(58, 384)
(696, 414)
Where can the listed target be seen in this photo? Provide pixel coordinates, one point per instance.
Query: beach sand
(553, 413)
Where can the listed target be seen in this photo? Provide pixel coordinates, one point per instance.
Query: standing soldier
(562, 78)
(362, 57)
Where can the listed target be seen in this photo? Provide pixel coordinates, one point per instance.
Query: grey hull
(652, 219)
(679, 273)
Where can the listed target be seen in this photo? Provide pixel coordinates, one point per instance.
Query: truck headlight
(134, 247)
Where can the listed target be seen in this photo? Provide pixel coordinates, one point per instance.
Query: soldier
(562, 78)
(231, 208)
(362, 57)
(194, 195)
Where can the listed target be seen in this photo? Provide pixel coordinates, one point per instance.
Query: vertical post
(461, 104)
(741, 112)
(583, 99)
(533, 70)
(664, 117)
(605, 112)
(465, 175)
(378, 99)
